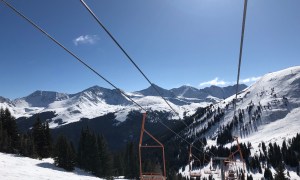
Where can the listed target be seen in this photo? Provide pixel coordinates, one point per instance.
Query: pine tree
(48, 140)
(9, 134)
(118, 164)
(268, 174)
(23, 146)
(31, 147)
(131, 162)
(280, 172)
(105, 157)
(88, 153)
(284, 151)
(64, 155)
(5, 144)
(42, 138)
(1, 134)
(38, 137)
(242, 175)
(249, 177)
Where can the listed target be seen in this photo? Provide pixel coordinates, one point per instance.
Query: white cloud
(250, 80)
(218, 82)
(86, 39)
(215, 82)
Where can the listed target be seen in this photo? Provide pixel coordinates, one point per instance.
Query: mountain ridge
(97, 101)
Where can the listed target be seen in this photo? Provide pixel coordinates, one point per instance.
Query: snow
(277, 131)
(13, 167)
(278, 123)
(281, 120)
(97, 101)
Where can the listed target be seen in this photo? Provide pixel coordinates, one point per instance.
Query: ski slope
(277, 94)
(13, 167)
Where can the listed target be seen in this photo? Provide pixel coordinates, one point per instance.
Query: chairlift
(156, 175)
(193, 159)
(231, 172)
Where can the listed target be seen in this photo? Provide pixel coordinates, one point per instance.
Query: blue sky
(175, 42)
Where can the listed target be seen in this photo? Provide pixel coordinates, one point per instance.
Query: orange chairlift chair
(231, 163)
(159, 145)
(193, 159)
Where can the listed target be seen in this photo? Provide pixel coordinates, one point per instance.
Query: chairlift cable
(71, 53)
(128, 57)
(240, 54)
(88, 66)
(139, 69)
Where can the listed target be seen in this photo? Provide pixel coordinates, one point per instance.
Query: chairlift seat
(195, 174)
(207, 172)
(153, 177)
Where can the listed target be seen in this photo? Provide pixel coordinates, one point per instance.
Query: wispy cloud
(250, 80)
(86, 39)
(218, 82)
(215, 82)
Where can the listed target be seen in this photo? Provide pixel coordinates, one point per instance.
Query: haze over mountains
(97, 101)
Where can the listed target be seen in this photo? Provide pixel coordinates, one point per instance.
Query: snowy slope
(277, 95)
(13, 167)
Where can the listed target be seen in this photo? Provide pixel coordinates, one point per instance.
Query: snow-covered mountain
(150, 91)
(277, 94)
(40, 99)
(223, 92)
(189, 92)
(4, 100)
(97, 101)
(270, 111)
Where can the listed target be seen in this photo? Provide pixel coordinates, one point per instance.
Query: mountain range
(97, 101)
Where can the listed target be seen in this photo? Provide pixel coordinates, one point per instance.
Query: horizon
(193, 43)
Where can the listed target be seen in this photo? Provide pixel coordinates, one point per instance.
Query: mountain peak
(187, 87)
(223, 92)
(3, 99)
(151, 91)
(41, 98)
(96, 94)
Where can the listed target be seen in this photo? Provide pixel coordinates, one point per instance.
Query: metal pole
(222, 170)
(164, 162)
(140, 144)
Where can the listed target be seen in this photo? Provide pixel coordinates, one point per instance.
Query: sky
(174, 42)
